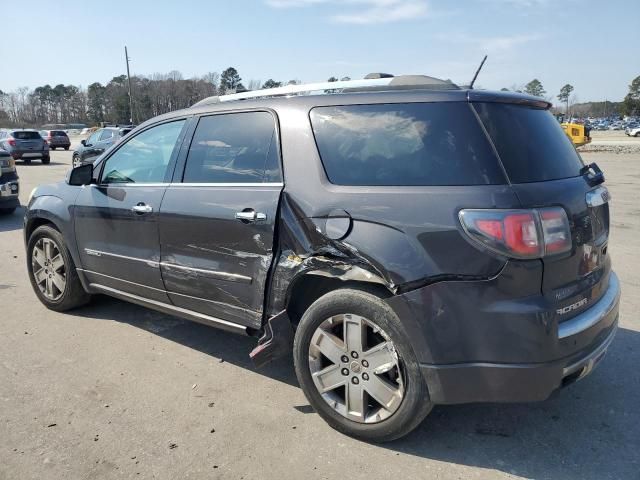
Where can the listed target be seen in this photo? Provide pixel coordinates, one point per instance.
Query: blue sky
(591, 44)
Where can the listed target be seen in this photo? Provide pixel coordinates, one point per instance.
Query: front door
(116, 221)
(217, 220)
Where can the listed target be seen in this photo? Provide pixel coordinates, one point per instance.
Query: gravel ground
(117, 391)
(615, 141)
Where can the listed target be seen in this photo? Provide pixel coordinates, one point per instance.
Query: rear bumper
(482, 382)
(514, 354)
(22, 154)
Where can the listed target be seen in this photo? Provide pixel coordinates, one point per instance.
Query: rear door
(218, 217)
(116, 221)
(544, 169)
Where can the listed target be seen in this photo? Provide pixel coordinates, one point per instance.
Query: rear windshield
(404, 144)
(26, 135)
(58, 133)
(530, 142)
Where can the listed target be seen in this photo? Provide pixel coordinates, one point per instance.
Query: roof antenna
(477, 72)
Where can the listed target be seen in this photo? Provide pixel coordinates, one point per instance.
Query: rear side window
(404, 144)
(26, 135)
(531, 144)
(234, 148)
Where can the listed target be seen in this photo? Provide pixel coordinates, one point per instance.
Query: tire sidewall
(415, 404)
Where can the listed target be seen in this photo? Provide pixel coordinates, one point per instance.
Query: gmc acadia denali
(414, 242)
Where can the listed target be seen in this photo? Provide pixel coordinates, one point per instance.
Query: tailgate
(544, 170)
(577, 279)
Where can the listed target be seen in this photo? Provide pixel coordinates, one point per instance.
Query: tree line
(161, 93)
(152, 95)
(629, 106)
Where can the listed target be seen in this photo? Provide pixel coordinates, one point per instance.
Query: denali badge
(573, 306)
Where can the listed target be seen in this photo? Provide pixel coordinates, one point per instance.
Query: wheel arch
(308, 287)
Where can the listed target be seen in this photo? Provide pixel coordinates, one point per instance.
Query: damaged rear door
(218, 217)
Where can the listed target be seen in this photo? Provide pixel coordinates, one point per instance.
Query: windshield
(530, 142)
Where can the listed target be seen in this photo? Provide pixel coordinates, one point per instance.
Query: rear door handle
(250, 215)
(142, 208)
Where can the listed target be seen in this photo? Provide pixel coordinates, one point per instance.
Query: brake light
(11, 141)
(519, 233)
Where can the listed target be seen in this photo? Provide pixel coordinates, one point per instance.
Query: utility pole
(126, 56)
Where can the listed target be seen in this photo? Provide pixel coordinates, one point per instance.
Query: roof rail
(402, 82)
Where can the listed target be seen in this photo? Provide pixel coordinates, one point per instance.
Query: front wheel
(52, 272)
(46, 160)
(357, 368)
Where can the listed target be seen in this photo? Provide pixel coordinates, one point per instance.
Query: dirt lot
(117, 391)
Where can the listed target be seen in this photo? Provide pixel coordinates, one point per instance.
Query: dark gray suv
(413, 242)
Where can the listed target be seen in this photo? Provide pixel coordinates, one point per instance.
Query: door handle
(142, 208)
(250, 215)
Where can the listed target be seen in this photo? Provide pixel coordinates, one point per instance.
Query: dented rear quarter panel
(401, 237)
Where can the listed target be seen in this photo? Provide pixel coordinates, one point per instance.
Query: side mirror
(83, 143)
(81, 175)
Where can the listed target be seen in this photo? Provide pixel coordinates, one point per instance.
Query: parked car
(9, 184)
(25, 145)
(633, 131)
(413, 243)
(56, 139)
(98, 142)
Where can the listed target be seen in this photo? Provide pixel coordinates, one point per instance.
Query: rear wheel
(357, 368)
(52, 148)
(46, 160)
(66, 148)
(637, 134)
(52, 271)
(26, 161)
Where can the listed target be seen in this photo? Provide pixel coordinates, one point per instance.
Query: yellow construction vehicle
(577, 133)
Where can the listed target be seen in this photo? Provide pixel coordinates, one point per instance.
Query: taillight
(12, 142)
(519, 233)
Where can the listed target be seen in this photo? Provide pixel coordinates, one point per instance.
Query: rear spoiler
(508, 97)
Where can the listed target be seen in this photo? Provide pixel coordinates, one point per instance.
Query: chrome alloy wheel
(48, 268)
(356, 368)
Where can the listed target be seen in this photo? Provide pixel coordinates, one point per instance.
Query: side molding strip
(172, 309)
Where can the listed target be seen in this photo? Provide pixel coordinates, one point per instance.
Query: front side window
(93, 138)
(234, 148)
(404, 144)
(144, 158)
(106, 135)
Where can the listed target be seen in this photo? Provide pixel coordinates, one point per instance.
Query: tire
(26, 161)
(71, 294)
(52, 148)
(637, 134)
(7, 211)
(373, 422)
(46, 160)
(66, 148)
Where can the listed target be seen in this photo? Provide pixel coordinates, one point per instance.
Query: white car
(633, 132)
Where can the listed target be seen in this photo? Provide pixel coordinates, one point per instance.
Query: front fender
(54, 210)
